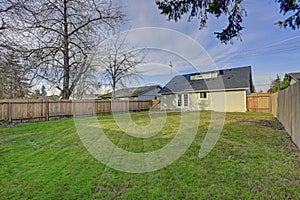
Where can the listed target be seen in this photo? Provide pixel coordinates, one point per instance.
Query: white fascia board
(197, 91)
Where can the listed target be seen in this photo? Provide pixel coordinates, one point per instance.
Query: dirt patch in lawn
(274, 124)
(265, 123)
(6, 124)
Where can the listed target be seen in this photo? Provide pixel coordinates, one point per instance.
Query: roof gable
(235, 78)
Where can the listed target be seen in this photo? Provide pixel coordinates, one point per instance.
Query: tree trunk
(66, 92)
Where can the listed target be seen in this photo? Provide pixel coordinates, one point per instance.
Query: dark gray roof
(130, 92)
(235, 78)
(295, 76)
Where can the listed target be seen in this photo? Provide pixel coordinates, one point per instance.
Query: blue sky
(269, 49)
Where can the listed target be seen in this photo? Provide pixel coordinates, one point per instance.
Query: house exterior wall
(150, 95)
(168, 102)
(293, 81)
(127, 98)
(235, 101)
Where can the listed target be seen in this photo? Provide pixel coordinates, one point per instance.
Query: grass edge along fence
(286, 108)
(284, 105)
(44, 110)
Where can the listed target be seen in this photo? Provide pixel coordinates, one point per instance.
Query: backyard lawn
(253, 159)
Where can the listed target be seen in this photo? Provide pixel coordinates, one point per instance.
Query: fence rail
(43, 110)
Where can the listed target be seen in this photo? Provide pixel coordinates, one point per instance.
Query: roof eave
(215, 90)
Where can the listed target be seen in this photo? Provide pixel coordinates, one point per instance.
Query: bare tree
(119, 63)
(59, 36)
(14, 77)
(88, 85)
(6, 6)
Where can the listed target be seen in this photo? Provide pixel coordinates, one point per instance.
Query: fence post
(47, 110)
(96, 106)
(270, 104)
(9, 112)
(110, 106)
(42, 110)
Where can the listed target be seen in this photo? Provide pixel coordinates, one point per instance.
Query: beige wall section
(232, 101)
(168, 102)
(235, 101)
(293, 81)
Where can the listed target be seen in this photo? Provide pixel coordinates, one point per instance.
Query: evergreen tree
(14, 77)
(277, 84)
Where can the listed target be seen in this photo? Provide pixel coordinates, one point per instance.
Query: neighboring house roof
(235, 78)
(295, 76)
(131, 92)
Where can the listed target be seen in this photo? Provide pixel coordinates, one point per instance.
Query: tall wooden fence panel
(40, 110)
(259, 102)
(274, 104)
(288, 112)
(284, 105)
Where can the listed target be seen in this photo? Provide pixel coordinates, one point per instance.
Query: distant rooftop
(130, 92)
(295, 76)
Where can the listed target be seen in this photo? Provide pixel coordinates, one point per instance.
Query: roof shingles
(235, 78)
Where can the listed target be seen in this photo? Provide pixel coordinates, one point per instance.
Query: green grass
(253, 159)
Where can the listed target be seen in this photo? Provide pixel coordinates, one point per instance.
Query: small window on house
(203, 95)
(204, 76)
(179, 100)
(186, 100)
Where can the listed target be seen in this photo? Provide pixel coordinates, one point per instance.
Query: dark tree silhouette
(290, 6)
(233, 9)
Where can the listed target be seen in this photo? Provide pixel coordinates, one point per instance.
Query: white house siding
(235, 101)
(232, 101)
(293, 81)
(168, 102)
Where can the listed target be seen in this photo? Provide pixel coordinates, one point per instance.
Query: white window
(186, 100)
(182, 100)
(179, 100)
(203, 95)
(204, 76)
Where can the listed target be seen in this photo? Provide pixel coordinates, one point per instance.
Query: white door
(182, 100)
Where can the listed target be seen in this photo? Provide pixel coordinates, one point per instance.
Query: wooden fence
(42, 110)
(284, 105)
(259, 102)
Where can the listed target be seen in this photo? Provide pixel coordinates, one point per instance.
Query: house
(136, 93)
(220, 90)
(295, 77)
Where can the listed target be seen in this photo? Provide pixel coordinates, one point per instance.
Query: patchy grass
(253, 159)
